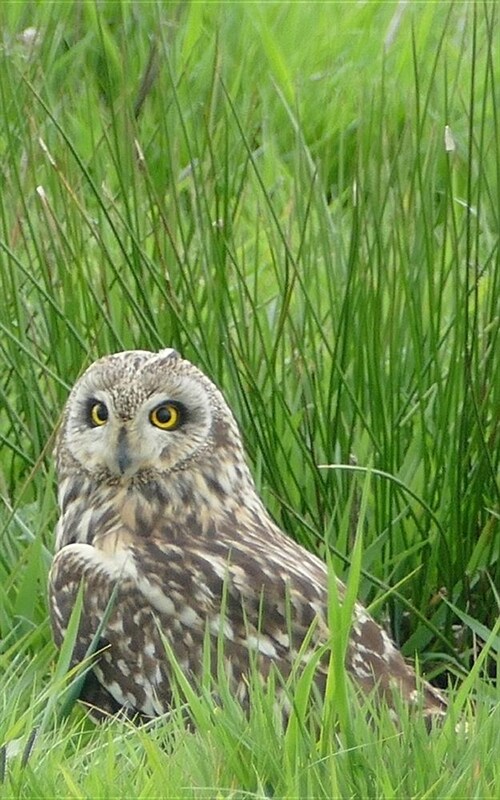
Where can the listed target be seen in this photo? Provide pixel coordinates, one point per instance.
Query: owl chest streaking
(161, 525)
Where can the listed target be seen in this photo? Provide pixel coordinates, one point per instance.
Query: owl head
(137, 414)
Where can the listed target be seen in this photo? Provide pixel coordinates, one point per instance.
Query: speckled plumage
(171, 521)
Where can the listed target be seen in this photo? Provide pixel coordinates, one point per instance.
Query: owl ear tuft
(169, 352)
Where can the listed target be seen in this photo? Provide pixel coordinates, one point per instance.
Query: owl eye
(98, 414)
(167, 417)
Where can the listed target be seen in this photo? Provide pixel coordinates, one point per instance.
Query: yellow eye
(167, 417)
(98, 414)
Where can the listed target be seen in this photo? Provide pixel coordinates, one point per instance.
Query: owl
(161, 525)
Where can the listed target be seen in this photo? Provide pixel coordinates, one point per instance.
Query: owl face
(136, 413)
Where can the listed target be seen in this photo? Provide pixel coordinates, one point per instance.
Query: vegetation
(303, 200)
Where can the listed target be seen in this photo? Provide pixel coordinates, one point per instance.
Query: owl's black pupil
(101, 412)
(163, 415)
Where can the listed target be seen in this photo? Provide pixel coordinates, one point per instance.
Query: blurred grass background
(302, 199)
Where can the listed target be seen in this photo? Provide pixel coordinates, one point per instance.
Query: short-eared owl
(158, 507)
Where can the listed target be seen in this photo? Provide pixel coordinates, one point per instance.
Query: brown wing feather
(271, 600)
(181, 598)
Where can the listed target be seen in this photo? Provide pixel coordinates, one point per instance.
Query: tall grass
(268, 188)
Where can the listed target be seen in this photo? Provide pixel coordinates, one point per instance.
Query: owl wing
(179, 593)
(256, 600)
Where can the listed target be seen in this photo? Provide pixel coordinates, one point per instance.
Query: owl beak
(123, 458)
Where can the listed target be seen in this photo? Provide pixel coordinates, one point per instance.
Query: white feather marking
(360, 667)
(118, 564)
(360, 615)
(149, 649)
(219, 565)
(283, 639)
(123, 667)
(217, 626)
(115, 690)
(115, 625)
(189, 617)
(156, 596)
(263, 644)
(390, 649)
(167, 351)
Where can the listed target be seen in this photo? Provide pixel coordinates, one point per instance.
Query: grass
(268, 188)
